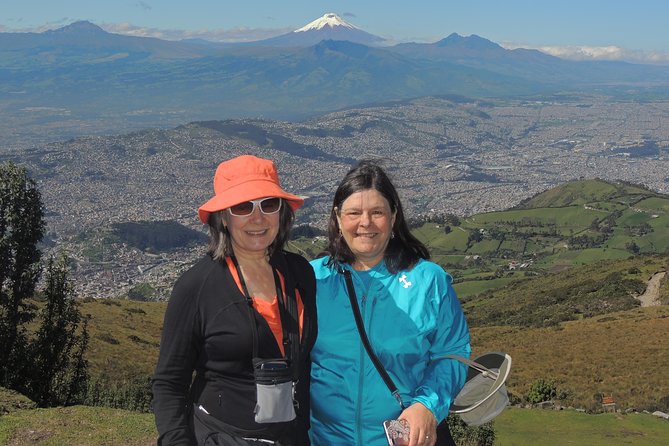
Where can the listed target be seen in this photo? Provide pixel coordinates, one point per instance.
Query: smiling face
(252, 234)
(366, 223)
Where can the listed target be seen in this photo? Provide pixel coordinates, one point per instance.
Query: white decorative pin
(403, 280)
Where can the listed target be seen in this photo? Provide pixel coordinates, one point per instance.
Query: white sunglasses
(268, 206)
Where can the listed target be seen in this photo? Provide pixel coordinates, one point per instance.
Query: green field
(515, 427)
(77, 426)
(93, 426)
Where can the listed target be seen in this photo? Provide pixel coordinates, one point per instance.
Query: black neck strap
(365, 340)
(287, 312)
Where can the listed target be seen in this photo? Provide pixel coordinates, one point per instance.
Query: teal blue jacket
(411, 317)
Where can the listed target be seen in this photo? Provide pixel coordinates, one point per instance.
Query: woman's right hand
(422, 425)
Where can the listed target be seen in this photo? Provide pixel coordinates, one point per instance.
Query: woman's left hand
(422, 425)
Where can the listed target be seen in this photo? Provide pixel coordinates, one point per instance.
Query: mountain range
(80, 79)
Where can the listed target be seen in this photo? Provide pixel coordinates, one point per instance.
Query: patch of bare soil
(29, 437)
(651, 297)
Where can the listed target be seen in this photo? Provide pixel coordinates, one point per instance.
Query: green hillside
(577, 223)
(564, 313)
(584, 192)
(587, 291)
(124, 336)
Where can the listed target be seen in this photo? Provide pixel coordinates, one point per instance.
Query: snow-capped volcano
(330, 20)
(328, 27)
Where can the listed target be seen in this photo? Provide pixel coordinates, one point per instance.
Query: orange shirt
(270, 310)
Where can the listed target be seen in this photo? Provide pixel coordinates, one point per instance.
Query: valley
(446, 155)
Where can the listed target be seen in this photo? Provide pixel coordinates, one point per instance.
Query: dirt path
(651, 297)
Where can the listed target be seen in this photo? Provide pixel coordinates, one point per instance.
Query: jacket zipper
(363, 358)
(362, 354)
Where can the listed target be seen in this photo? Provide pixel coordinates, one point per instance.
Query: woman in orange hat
(242, 319)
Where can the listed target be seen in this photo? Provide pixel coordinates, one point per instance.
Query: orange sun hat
(245, 178)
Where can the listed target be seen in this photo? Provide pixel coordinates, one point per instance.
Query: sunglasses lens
(270, 205)
(267, 206)
(242, 209)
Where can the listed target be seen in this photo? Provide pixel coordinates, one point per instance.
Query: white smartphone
(397, 432)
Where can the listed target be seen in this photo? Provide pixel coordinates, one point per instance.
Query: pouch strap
(249, 301)
(290, 325)
(291, 337)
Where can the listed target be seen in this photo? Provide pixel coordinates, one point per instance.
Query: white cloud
(128, 29)
(213, 35)
(611, 52)
(38, 29)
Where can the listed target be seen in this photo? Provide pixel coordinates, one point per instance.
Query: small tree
(594, 225)
(50, 367)
(59, 370)
(632, 247)
(21, 228)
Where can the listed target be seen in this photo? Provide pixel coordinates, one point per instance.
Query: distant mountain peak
(81, 26)
(329, 20)
(471, 42)
(328, 27)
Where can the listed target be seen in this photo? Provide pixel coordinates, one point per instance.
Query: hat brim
(482, 388)
(249, 190)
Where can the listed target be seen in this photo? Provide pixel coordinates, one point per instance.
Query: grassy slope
(77, 426)
(623, 354)
(92, 426)
(548, 427)
(618, 353)
(124, 336)
(584, 291)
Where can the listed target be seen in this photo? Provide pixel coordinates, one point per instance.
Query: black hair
(404, 249)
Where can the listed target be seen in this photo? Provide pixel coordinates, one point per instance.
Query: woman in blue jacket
(410, 312)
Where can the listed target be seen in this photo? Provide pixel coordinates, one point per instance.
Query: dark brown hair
(404, 249)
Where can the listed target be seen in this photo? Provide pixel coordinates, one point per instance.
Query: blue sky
(613, 29)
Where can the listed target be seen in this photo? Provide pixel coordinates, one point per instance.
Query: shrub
(542, 390)
(129, 393)
(464, 435)
(663, 404)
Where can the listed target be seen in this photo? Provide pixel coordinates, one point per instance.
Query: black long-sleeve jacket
(207, 331)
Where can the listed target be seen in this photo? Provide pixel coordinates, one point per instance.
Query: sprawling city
(452, 155)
